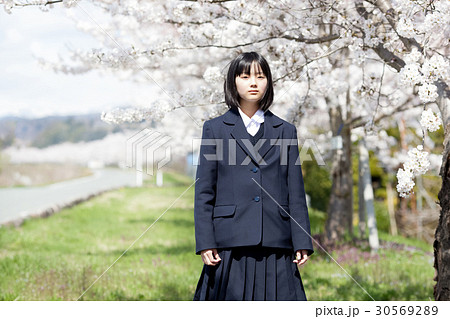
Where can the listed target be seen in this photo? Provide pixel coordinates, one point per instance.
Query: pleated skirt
(251, 273)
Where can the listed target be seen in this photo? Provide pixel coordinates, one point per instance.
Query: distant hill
(51, 130)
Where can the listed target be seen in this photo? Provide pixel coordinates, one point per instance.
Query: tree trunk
(391, 207)
(442, 236)
(340, 211)
(361, 206)
(364, 174)
(403, 211)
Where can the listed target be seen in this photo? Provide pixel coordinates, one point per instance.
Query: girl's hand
(210, 257)
(301, 256)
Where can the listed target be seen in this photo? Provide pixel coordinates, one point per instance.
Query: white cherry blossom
(430, 121)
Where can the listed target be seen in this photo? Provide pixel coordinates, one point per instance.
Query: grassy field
(59, 257)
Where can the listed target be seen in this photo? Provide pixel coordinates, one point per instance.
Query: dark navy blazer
(249, 195)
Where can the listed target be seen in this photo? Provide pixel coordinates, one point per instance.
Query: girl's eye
(246, 76)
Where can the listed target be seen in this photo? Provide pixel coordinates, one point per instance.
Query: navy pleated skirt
(251, 273)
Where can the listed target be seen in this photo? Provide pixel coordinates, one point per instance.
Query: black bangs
(245, 65)
(242, 64)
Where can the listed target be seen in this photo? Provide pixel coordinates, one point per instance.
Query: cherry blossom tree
(356, 64)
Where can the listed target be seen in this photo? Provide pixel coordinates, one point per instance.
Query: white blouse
(252, 124)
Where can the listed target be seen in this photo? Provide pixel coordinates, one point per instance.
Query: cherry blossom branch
(392, 17)
(405, 106)
(308, 62)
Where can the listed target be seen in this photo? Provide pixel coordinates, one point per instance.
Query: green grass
(393, 275)
(59, 257)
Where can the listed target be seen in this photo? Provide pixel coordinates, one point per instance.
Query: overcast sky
(29, 91)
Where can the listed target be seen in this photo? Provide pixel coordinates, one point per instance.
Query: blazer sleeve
(205, 193)
(300, 227)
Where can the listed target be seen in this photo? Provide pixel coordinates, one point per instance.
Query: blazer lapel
(239, 132)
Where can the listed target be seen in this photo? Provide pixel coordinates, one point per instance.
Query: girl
(251, 220)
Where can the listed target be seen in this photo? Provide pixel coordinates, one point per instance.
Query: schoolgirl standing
(252, 227)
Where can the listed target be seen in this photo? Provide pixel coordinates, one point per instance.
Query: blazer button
(256, 199)
(255, 169)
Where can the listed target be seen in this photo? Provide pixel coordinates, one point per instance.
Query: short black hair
(242, 64)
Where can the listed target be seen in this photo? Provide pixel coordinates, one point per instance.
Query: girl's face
(251, 87)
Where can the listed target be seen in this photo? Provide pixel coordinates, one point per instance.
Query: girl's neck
(248, 108)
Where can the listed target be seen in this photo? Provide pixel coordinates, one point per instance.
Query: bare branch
(49, 2)
(327, 38)
(387, 56)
